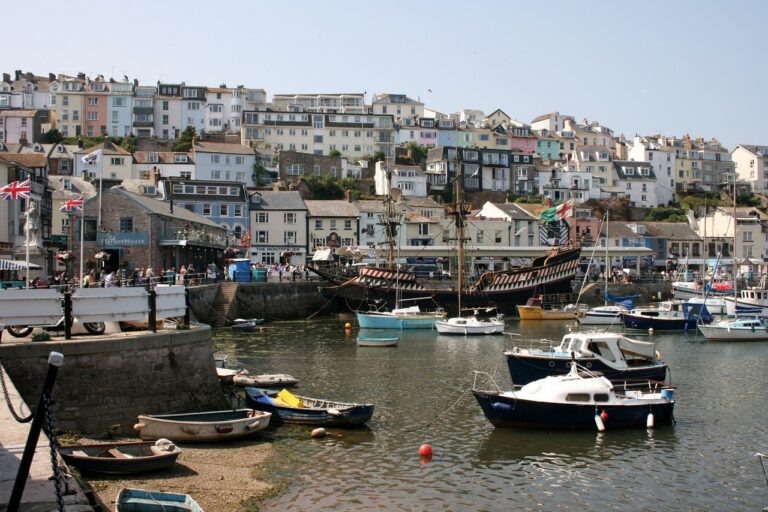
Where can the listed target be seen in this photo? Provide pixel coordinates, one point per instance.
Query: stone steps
(222, 304)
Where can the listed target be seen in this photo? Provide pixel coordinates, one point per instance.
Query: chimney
(30, 76)
(348, 195)
(81, 75)
(51, 77)
(6, 78)
(17, 74)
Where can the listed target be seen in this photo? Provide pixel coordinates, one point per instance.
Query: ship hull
(547, 275)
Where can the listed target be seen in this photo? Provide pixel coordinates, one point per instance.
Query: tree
(184, 142)
(334, 153)
(379, 156)
(417, 155)
(52, 136)
(260, 175)
(129, 143)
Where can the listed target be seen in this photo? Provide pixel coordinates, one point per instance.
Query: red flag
(15, 190)
(72, 205)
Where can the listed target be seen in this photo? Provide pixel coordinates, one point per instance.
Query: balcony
(472, 183)
(198, 237)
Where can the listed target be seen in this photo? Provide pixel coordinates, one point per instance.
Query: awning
(322, 255)
(17, 265)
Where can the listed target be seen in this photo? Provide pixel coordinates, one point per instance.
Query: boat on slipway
(289, 408)
(202, 426)
(121, 458)
(140, 500)
(578, 400)
(619, 358)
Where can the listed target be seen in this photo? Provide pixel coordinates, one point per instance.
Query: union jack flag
(15, 190)
(72, 205)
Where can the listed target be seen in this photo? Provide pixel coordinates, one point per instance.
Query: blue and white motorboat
(578, 400)
(400, 318)
(737, 329)
(752, 301)
(135, 500)
(670, 315)
(289, 408)
(620, 359)
(604, 315)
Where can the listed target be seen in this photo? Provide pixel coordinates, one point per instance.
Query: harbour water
(705, 462)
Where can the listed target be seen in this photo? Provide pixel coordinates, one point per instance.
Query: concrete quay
(39, 492)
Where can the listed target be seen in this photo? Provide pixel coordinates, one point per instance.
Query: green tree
(323, 187)
(129, 143)
(334, 153)
(260, 175)
(417, 155)
(184, 142)
(379, 156)
(52, 136)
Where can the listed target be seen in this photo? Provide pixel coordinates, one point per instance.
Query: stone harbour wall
(280, 301)
(106, 382)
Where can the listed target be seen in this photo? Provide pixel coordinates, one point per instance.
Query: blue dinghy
(139, 500)
(290, 408)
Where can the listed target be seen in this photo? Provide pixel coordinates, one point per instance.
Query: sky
(672, 67)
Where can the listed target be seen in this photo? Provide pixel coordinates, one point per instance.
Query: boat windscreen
(637, 347)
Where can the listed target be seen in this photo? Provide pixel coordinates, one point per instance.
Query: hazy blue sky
(697, 67)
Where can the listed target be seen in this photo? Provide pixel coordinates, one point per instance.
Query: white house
(278, 228)
(662, 158)
(410, 179)
(752, 166)
(223, 162)
(638, 181)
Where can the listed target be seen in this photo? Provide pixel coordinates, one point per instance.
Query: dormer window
(629, 171)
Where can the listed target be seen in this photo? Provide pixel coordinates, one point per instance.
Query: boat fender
(599, 423)
(334, 412)
(138, 426)
(318, 432)
(649, 420)
(658, 355)
(650, 330)
(187, 429)
(253, 426)
(165, 445)
(604, 416)
(502, 407)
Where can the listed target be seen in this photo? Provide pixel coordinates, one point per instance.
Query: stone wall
(280, 301)
(105, 383)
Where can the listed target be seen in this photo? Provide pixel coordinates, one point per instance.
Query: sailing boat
(606, 314)
(473, 324)
(399, 317)
(745, 324)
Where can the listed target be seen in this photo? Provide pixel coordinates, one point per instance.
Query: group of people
(284, 271)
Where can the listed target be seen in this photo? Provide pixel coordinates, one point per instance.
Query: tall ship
(548, 274)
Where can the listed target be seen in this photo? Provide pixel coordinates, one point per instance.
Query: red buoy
(604, 416)
(425, 450)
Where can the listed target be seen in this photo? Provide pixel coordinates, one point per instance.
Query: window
(116, 160)
(497, 237)
(296, 169)
(126, 224)
(206, 209)
(237, 210)
(262, 217)
(215, 175)
(424, 229)
(333, 223)
(165, 106)
(289, 237)
(480, 237)
(348, 224)
(319, 224)
(289, 218)
(747, 236)
(262, 237)
(317, 169)
(93, 101)
(93, 116)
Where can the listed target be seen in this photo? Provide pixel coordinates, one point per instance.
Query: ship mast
(389, 220)
(459, 210)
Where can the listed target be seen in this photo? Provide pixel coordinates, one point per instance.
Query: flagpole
(101, 175)
(82, 232)
(26, 244)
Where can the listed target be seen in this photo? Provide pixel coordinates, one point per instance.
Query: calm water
(705, 462)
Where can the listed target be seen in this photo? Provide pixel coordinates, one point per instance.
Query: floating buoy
(347, 326)
(318, 432)
(604, 416)
(649, 421)
(425, 450)
(599, 423)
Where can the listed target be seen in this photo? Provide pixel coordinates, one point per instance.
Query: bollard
(152, 310)
(55, 359)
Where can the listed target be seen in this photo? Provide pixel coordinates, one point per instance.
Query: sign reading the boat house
(122, 239)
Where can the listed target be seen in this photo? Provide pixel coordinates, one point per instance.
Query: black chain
(53, 444)
(8, 400)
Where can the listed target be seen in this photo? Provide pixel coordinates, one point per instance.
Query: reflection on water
(419, 388)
